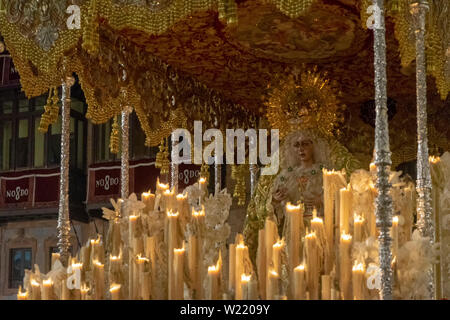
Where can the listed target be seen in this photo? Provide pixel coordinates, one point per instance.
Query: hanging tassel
(54, 108)
(114, 141)
(165, 166)
(238, 173)
(91, 37)
(46, 118)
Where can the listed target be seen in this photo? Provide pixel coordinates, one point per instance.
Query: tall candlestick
(276, 255)
(148, 199)
(131, 233)
(273, 286)
(143, 277)
(245, 286)
(202, 187)
(213, 283)
(240, 248)
(172, 242)
(357, 228)
(232, 267)
(99, 279)
(178, 274)
(35, 290)
(271, 235)
(345, 265)
(115, 291)
(313, 265)
(345, 208)
(358, 272)
(299, 282)
(47, 289)
(295, 216)
(394, 236)
(261, 263)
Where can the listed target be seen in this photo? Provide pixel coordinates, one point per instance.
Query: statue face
(304, 149)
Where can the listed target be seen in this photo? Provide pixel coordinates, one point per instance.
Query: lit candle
(345, 266)
(358, 273)
(245, 281)
(239, 270)
(115, 291)
(178, 273)
(231, 266)
(271, 236)
(55, 256)
(161, 187)
(22, 295)
(313, 264)
(84, 291)
(332, 182)
(65, 293)
(132, 222)
(295, 220)
(372, 168)
(115, 263)
(261, 263)
(142, 263)
(253, 289)
(47, 289)
(148, 199)
(273, 287)
(319, 230)
(213, 282)
(394, 235)
(182, 206)
(35, 290)
(345, 203)
(276, 255)
(299, 282)
(172, 243)
(358, 227)
(99, 279)
(202, 187)
(168, 200)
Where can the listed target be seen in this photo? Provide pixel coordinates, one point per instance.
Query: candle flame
(200, 213)
(245, 278)
(317, 220)
(97, 263)
(77, 265)
(170, 213)
(434, 159)
(96, 241)
(114, 258)
(395, 219)
(21, 294)
(181, 196)
(273, 273)
(202, 180)
(34, 283)
(291, 207)
(114, 287)
(311, 235)
(47, 282)
(346, 237)
(279, 243)
(179, 250)
(141, 259)
(241, 245)
(169, 192)
(300, 267)
(358, 219)
(84, 288)
(214, 268)
(358, 267)
(163, 186)
(145, 194)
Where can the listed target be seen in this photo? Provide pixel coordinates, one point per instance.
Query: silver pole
(125, 166)
(383, 204)
(423, 186)
(63, 226)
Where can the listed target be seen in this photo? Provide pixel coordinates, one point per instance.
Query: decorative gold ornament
(162, 158)
(304, 101)
(292, 8)
(114, 142)
(239, 174)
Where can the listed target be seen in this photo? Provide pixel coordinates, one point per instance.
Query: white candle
(312, 264)
(357, 228)
(326, 287)
(213, 282)
(99, 279)
(358, 272)
(273, 287)
(295, 216)
(245, 281)
(394, 235)
(47, 289)
(299, 282)
(115, 291)
(232, 267)
(261, 263)
(239, 270)
(148, 199)
(172, 244)
(179, 273)
(345, 265)
(276, 255)
(345, 208)
(22, 295)
(35, 290)
(84, 291)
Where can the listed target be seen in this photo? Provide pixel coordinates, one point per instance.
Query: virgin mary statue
(305, 110)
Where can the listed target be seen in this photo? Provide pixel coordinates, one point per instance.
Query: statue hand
(280, 194)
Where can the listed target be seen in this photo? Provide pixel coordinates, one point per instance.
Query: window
(20, 259)
(22, 145)
(102, 135)
(137, 140)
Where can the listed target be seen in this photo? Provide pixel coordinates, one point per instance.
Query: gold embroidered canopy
(179, 60)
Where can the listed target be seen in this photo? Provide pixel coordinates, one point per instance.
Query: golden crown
(306, 100)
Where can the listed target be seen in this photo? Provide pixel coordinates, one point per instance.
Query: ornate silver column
(423, 186)
(124, 165)
(63, 226)
(383, 204)
(174, 172)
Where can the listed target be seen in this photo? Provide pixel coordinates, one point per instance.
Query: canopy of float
(177, 61)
